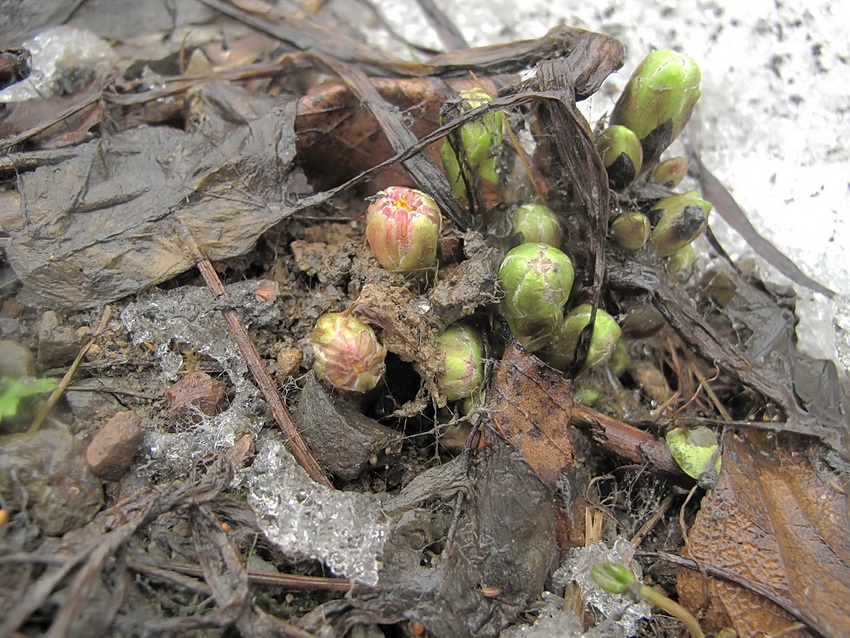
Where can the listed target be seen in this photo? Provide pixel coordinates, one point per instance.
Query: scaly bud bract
(669, 173)
(347, 353)
(658, 100)
(622, 155)
(631, 230)
(536, 223)
(560, 353)
(463, 356)
(677, 221)
(480, 142)
(536, 279)
(403, 227)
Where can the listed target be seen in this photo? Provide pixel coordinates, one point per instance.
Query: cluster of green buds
(616, 578)
(560, 353)
(462, 349)
(347, 353)
(536, 223)
(403, 227)
(480, 142)
(658, 100)
(536, 280)
(622, 155)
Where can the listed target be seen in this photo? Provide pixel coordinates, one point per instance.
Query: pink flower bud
(403, 226)
(346, 353)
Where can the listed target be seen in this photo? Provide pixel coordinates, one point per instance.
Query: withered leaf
(779, 517)
(531, 403)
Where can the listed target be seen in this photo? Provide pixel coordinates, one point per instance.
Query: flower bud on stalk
(670, 172)
(658, 100)
(536, 279)
(631, 230)
(677, 221)
(403, 227)
(537, 223)
(621, 154)
(480, 142)
(347, 353)
(463, 355)
(560, 353)
(680, 266)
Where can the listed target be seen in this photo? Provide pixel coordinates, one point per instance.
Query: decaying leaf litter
(257, 175)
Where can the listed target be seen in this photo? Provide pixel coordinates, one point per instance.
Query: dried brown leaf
(779, 517)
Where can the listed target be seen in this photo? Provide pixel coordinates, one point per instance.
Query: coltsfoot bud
(463, 355)
(615, 578)
(403, 227)
(347, 353)
(536, 279)
(560, 353)
(658, 100)
(631, 230)
(670, 172)
(535, 332)
(480, 141)
(677, 221)
(536, 223)
(681, 264)
(621, 154)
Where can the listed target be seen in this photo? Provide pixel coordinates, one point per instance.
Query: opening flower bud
(670, 172)
(463, 355)
(480, 141)
(658, 100)
(536, 223)
(677, 221)
(536, 279)
(347, 353)
(403, 228)
(560, 353)
(622, 155)
(631, 230)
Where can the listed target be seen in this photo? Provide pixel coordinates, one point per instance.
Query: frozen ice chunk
(344, 530)
(552, 622)
(615, 608)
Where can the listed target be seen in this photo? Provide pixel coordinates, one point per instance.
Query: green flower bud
(586, 396)
(536, 279)
(480, 141)
(536, 223)
(403, 227)
(621, 154)
(620, 359)
(560, 353)
(615, 578)
(347, 353)
(677, 221)
(658, 100)
(695, 450)
(643, 320)
(680, 266)
(463, 354)
(535, 332)
(631, 230)
(669, 173)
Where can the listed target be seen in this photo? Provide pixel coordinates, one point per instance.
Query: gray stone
(16, 360)
(46, 473)
(344, 441)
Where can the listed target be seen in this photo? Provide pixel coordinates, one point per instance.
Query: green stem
(674, 608)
